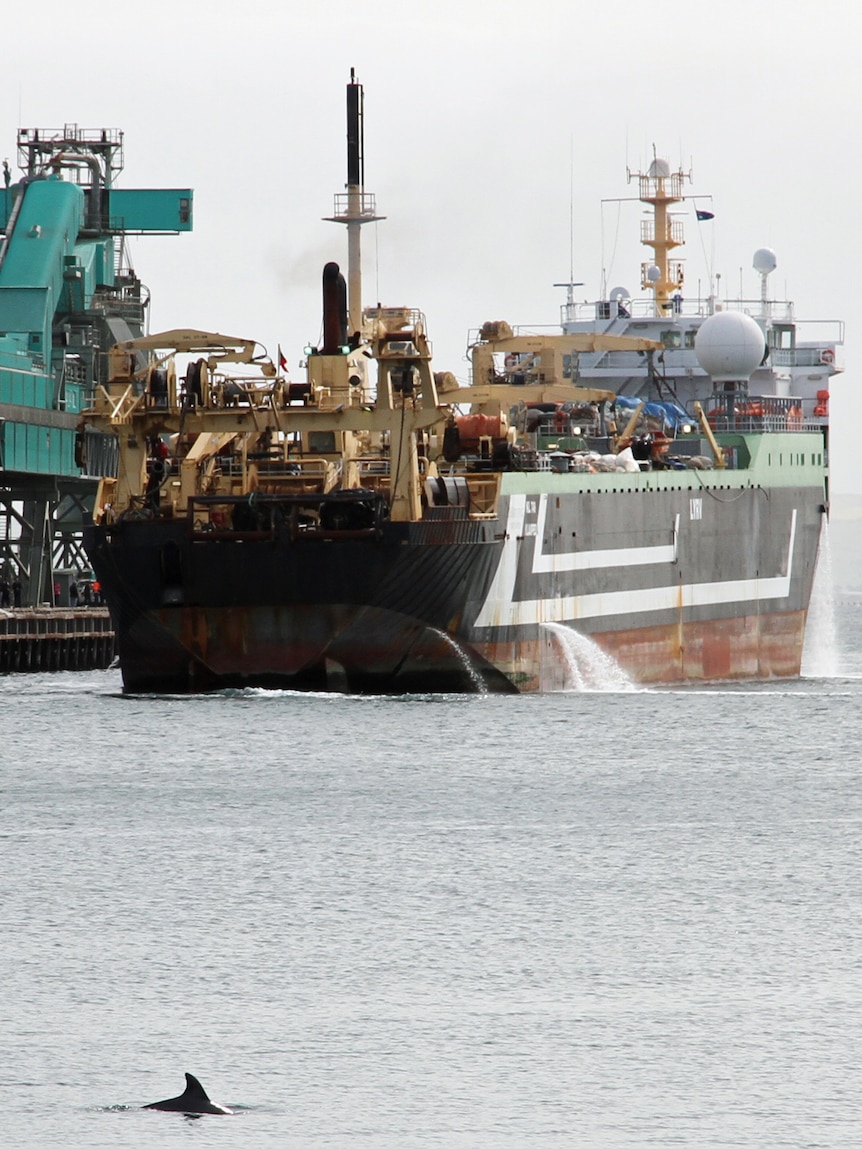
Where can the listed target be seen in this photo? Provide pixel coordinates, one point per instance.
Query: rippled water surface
(607, 918)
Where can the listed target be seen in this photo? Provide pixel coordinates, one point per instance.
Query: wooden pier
(56, 638)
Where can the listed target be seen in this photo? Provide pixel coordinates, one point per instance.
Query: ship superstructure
(800, 356)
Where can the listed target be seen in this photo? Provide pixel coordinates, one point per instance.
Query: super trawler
(377, 528)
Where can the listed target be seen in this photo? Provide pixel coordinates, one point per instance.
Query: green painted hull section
(770, 460)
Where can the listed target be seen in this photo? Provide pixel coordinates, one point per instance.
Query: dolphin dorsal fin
(194, 1090)
(193, 1099)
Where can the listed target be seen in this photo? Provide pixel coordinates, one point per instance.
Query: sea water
(614, 917)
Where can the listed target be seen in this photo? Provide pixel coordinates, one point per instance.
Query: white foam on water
(585, 665)
(820, 654)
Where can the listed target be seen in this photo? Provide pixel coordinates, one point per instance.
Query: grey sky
(477, 116)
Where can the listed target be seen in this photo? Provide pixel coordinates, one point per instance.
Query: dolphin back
(193, 1099)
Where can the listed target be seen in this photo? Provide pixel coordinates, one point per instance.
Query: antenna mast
(659, 187)
(355, 207)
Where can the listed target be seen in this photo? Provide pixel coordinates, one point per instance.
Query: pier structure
(68, 293)
(47, 638)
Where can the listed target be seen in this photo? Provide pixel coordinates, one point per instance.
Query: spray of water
(585, 665)
(820, 656)
(476, 679)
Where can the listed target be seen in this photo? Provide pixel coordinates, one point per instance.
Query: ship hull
(366, 615)
(678, 580)
(752, 646)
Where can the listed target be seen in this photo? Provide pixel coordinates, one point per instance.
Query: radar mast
(355, 206)
(659, 187)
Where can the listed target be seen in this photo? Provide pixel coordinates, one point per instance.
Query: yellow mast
(659, 188)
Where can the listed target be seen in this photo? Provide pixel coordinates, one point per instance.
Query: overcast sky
(493, 131)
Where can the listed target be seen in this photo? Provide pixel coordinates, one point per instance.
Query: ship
(646, 480)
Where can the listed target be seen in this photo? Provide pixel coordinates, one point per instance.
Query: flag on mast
(282, 362)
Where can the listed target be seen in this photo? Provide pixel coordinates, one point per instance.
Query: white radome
(729, 346)
(765, 261)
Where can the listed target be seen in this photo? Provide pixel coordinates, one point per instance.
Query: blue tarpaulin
(671, 414)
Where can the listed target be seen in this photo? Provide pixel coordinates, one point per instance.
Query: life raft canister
(750, 410)
(473, 428)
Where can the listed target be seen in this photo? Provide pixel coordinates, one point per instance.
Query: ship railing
(289, 472)
(758, 414)
(817, 355)
(395, 321)
(653, 187)
(824, 355)
(619, 360)
(378, 465)
(675, 231)
(374, 472)
(625, 308)
(311, 473)
(561, 425)
(372, 469)
(354, 205)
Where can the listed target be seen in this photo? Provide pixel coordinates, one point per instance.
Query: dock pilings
(55, 638)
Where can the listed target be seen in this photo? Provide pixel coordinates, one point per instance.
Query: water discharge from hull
(820, 657)
(470, 671)
(584, 665)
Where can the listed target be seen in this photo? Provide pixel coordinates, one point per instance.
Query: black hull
(364, 615)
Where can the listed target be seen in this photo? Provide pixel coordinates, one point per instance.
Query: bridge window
(783, 336)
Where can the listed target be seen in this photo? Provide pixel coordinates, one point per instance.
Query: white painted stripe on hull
(593, 560)
(499, 608)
